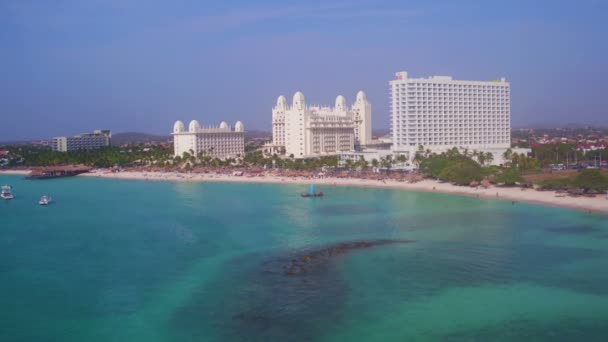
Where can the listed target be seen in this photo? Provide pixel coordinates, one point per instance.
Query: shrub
(462, 171)
(509, 177)
(591, 179)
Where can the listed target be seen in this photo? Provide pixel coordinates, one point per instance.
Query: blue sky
(68, 67)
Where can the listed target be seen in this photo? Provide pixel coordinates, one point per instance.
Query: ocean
(118, 260)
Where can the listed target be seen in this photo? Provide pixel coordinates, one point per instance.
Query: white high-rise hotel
(308, 131)
(440, 113)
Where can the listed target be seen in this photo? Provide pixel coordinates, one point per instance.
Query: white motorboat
(45, 200)
(6, 192)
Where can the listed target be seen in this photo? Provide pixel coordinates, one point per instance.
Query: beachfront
(550, 198)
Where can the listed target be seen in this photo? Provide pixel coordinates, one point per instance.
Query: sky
(68, 67)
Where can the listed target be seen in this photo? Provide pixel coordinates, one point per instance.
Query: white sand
(549, 198)
(14, 172)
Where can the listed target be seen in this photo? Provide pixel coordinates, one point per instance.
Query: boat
(6, 192)
(311, 192)
(45, 200)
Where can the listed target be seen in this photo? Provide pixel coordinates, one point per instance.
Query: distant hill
(548, 125)
(137, 138)
(257, 134)
(380, 132)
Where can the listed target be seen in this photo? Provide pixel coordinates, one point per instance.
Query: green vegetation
(509, 177)
(557, 154)
(591, 179)
(258, 159)
(451, 166)
(463, 168)
(556, 184)
(588, 179)
(462, 172)
(520, 161)
(522, 144)
(490, 170)
(454, 166)
(434, 165)
(105, 157)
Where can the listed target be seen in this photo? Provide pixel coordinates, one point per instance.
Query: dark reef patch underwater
(305, 262)
(289, 296)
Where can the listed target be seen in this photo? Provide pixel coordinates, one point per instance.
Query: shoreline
(15, 172)
(595, 204)
(531, 196)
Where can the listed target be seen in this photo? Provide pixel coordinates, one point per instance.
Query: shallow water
(118, 260)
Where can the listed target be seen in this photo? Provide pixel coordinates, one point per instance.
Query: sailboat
(311, 192)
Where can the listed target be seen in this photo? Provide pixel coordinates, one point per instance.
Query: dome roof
(239, 127)
(298, 100)
(194, 126)
(224, 125)
(361, 96)
(340, 103)
(178, 127)
(281, 102)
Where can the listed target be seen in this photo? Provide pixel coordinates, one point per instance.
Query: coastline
(15, 172)
(531, 196)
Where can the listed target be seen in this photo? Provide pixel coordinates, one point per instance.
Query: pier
(47, 172)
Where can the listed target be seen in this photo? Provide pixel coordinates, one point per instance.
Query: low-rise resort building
(218, 142)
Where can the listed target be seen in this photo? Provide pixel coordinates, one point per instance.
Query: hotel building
(310, 131)
(219, 142)
(440, 113)
(87, 141)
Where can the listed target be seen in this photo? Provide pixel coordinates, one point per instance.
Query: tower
(278, 121)
(362, 115)
(295, 123)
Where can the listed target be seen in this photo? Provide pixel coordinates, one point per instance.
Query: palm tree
(386, 162)
(515, 159)
(418, 158)
(489, 157)
(453, 152)
(362, 163)
(481, 158)
(507, 154)
(349, 164)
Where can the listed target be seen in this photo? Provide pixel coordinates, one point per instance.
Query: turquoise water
(159, 261)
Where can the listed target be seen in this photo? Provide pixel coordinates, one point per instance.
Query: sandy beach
(14, 172)
(548, 198)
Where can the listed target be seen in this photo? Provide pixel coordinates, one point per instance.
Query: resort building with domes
(215, 141)
(310, 131)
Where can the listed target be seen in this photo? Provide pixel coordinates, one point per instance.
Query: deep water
(114, 260)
